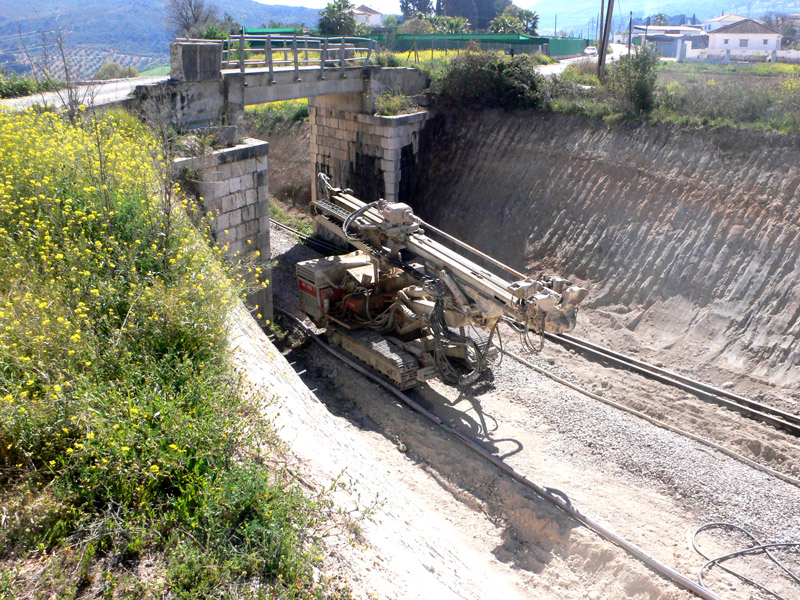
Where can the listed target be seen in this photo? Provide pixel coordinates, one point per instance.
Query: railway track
(557, 498)
(744, 406)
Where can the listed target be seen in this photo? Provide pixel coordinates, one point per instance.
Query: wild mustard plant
(122, 427)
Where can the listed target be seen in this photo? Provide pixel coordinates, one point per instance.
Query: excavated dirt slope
(687, 238)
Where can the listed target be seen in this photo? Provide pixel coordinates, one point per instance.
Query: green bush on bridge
(490, 79)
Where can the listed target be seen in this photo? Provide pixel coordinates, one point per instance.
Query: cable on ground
(756, 548)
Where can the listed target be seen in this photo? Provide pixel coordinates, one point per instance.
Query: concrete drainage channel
(552, 496)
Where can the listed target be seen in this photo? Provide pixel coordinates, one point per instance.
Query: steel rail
(561, 501)
(327, 246)
(658, 423)
(745, 406)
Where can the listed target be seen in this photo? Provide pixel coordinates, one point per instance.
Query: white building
(744, 37)
(368, 16)
(721, 21)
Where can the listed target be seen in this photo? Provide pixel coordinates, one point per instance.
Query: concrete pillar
(373, 155)
(682, 50)
(195, 60)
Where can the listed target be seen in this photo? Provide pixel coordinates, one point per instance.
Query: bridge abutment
(375, 156)
(234, 188)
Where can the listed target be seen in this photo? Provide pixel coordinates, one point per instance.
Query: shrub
(543, 59)
(12, 86)
(387, 59)
(632, 80)
(113, 70)
(390, 104)
(123, 427)
(491, 79)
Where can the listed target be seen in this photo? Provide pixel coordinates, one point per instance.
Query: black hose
(756, 548)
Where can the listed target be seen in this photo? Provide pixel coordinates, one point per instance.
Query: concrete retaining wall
(233, 185)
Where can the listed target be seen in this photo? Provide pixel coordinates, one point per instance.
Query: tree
(506, 24)
(214, 32)
(113, 70)
(188, 17)
(528, 18)
(338, 19)
(530, 21)
(659, 19)
(455, 25)
(632, 80)
(781, 23)
(411, 8)
(415, 27)
(390, 21)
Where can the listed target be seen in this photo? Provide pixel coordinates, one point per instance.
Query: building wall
(233, 185)
(755, 41)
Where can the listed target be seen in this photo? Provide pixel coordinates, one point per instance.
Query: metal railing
(297, 53)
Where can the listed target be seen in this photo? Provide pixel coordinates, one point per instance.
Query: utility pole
(555, 27)
(601, 60)
(630, 31)
(600, 26)
(597, 30)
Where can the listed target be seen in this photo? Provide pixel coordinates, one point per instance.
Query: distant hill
(132, 32)
(576, 15)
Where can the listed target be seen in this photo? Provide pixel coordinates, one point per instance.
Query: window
(743, 43)
(765, 42)
(725, 42)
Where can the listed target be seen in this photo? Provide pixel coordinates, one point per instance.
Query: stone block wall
(233, 185)
(374, 156)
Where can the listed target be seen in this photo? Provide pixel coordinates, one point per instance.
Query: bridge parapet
(296, 53)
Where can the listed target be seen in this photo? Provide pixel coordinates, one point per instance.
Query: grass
(390, 104)
(280, 214)
(155, 71)
(125, 430)
(273, 117)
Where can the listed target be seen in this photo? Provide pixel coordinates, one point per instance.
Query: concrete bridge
(374, 155)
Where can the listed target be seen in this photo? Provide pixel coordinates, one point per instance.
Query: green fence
(566, 46)
(403, 42)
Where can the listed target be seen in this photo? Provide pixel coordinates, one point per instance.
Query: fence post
(241, 51)
(323, 56)
(268, 48)
(341, 60)
(369, 54)
(296, 64)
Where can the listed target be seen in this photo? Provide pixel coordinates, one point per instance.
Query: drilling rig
(412, 307)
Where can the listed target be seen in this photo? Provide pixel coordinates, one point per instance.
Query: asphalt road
(558, 68)
(101, 92)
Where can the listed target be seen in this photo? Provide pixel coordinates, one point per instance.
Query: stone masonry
(375, 156)
(232, 183)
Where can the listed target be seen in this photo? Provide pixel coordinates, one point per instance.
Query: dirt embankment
(291, 168)
(687, 238)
